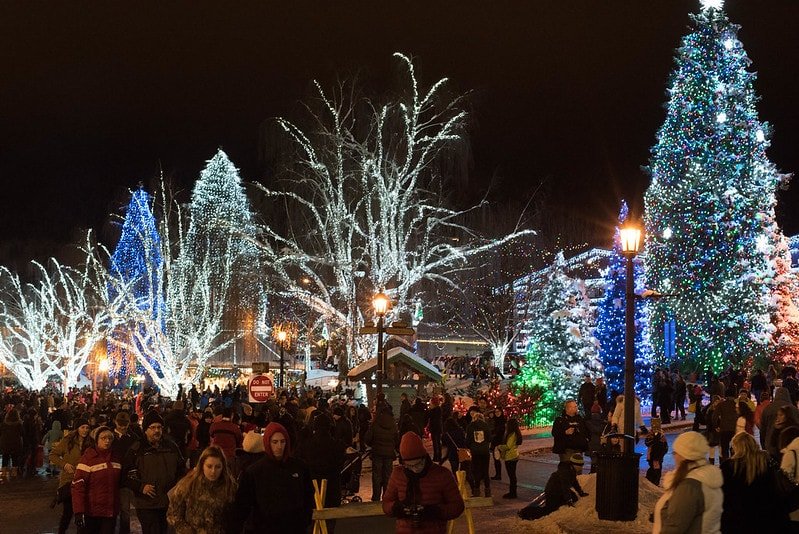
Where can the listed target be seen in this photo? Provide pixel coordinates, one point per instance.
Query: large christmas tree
(562, 338)
(221, 226)
(137, 260)
(709, 203)
(610, 326)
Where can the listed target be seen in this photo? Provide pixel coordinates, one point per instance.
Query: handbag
(692, 407)
(497, 454)
(464, 455)
(786, 488)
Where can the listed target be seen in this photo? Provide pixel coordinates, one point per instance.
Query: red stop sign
(261, 388)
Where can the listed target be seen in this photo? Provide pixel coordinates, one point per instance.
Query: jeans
(66, 513)
(98, 525)
(381, 472)
(510, 467)
(725, 436)
(123, 519)
(152, 520)
(436, 437)
(480, 472)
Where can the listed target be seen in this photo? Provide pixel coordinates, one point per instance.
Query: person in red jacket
(226, 435)
(421, 494)
(95, 487)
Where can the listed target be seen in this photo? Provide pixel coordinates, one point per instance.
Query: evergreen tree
(137, 260)
(611, 320)
(222, 230)
(560, 328)
(712, 190)
(785, 317)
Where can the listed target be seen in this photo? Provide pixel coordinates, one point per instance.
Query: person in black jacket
(151, 468)
(276, 492)
(562, 487)
(587, 394)
(383, 437)
(497, 438)
(454, 438)
(324, 454)
(435, 425)
(178, 426)
(419, 414)
(569, 432)
(342, 429)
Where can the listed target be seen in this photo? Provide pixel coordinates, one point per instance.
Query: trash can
(617, 481)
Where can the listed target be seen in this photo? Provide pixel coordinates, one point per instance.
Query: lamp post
(380, 304)
(281, 338)
(630, 243)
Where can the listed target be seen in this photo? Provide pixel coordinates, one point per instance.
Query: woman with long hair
(11, 440)
(692, 503)
(785, 418)
(95, 486)
(751, 502)
(509, 452)
(710, 434)
(65, 455)
(200, 501)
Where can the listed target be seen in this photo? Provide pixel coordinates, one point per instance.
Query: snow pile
(582, 518)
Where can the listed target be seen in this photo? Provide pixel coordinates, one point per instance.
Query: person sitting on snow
(562, 487)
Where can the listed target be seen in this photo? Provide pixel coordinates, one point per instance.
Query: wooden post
(319, 492)
(465, 493)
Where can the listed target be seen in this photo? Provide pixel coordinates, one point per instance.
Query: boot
(488, 492)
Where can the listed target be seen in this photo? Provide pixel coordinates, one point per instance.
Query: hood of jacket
(782, 394)
(56, 426)
(708, 475)
(792, 446)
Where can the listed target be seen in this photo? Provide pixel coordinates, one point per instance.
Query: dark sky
(96, 97)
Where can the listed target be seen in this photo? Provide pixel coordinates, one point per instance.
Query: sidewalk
(539, 440)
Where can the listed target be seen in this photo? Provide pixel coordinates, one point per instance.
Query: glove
(80, 520)
(398, 510)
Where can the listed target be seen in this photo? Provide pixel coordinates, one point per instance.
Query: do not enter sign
(260, 388)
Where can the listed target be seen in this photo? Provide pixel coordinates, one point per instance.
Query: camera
(414, 513)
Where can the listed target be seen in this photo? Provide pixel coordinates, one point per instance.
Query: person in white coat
(693, 501)
(789, 447)
(617, 420)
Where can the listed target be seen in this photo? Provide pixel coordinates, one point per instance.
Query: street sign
(400, 331)
(260, 388)
(259, 368)
(367, 330)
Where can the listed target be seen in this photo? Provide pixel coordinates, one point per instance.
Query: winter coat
(509, 450)
(324, 455)
(435, 423)
(790, 464)
(342, 430)
(95, 487)
(725, 416)
(226, 435)
(498, 430)
(578, 440)
(562, 487)
(781, 398)
(252, 450)
(60, 455)
(11, 438)
(478, 438)
(161, 466)
(204, 512)
(618, 416)
(278, 494)
(434, 489)
(419, 415)
(694, 506)
(751, 507)
(596, 425)
(382, 436)
(53, 435)
(454, 438)
(178, 427)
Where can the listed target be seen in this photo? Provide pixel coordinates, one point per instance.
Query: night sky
(97, 97)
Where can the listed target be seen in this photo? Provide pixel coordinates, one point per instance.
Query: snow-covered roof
(396, 355)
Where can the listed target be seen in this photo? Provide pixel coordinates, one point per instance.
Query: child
(656, 449)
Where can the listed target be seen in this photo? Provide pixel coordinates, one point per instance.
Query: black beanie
(80, 421)
(151, 418)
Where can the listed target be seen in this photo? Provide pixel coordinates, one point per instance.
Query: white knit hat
(691, 446)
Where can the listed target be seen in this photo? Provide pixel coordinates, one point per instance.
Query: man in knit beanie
(421, 494)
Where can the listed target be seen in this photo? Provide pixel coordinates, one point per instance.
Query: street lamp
(380, 303)
(630, 244)
(281, 338)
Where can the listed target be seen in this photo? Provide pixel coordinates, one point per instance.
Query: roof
(396, 355)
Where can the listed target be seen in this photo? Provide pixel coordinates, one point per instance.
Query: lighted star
(712, 4)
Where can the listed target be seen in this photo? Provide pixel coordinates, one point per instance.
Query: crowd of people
(209, 462)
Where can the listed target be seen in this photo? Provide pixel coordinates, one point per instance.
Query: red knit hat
(411, 446)
(276, 428)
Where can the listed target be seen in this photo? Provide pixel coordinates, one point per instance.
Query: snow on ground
(582, 518)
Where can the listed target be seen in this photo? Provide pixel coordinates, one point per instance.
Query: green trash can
(617, 482)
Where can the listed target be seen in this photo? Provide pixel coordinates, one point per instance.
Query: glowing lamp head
(630, 240)
(380, 303)
(103, 365)
(281, 336)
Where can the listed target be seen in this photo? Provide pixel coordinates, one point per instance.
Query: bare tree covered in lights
(364, 194)
(176, 326)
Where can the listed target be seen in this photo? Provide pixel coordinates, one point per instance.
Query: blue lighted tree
(610, 327)
(709, 202)
(137, 260)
